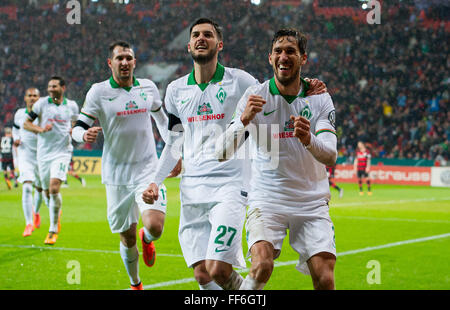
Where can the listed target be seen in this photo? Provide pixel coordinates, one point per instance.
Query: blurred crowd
(389, 82)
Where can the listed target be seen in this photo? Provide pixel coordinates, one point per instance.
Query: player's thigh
(194, 231)
(225, 240)
(59, 168)
(264, 224)
(311, 234)
(44, 174)
(122, 209)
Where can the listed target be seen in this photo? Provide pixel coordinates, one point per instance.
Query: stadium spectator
(401, 61)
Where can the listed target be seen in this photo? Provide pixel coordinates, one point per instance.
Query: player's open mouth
(201, 47)
(283, 68)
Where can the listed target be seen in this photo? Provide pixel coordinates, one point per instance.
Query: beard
(287, 80)
(204, 59)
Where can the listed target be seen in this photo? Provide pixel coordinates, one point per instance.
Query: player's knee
(324, 281)
(155, 229)
(218, 272)
(201, 274)
(262, 269)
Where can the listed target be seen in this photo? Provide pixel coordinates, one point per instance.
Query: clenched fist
(91, 134)
(302, 129)
(150, 195)
(255, 105)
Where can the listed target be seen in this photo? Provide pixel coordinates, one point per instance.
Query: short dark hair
(60, 79)
(291, 32)
(204, 20)
(113, 45)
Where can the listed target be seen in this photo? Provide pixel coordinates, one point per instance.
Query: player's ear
(270, 58)
(303, 59)
(189, 47)
(109, 62)
(220, 46)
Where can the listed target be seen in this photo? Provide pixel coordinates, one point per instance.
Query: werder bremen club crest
(221, 95)
(204, 109)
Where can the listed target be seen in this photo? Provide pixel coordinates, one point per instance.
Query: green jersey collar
(50, 100)
(274, 90)
(128, 88)
(218, 76)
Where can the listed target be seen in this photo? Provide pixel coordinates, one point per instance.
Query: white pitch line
(393, 219)
(74, 250)
(294, 262)
(381, 202)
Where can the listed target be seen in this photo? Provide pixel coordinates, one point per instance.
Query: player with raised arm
(124, 106)
(213, 194)
(55, 114)
(290, 190)
(361, 167)
(26, 143)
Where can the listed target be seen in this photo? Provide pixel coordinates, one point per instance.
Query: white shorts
(28, 170)
(125, 204)
(213, 231)
(53, 169)
(309, 234)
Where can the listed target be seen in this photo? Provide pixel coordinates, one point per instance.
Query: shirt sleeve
(169, 101)
(36, 110)
(90, 110)
(326, 121)
(157, 102)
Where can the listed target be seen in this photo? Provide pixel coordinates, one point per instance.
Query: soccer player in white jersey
(26, 143)
(124, 105)
(55, 114)
(289, 181)
(213, 194)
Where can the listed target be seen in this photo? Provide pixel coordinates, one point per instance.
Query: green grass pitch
(398, 238)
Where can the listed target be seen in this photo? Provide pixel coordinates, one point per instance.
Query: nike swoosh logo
(268, 113)
(111, 99)
(218, 251)
(184, 101)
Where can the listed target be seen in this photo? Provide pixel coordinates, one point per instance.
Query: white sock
(37, 201)
(55, 203)
(212, 286)
(148, 237)
(251, 284)
(27, 202)
(234, 282)
(130, 257)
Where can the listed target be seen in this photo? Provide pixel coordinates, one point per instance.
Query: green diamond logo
(221, 95)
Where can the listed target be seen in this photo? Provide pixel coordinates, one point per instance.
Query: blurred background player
(124, 107)
(26, 143)
(72, 173)
(330, 173)
(56, 115)
(6, 149)
(361, 166)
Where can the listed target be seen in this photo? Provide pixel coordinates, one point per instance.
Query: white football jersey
(56, 142)
(205, 110)
(129, 152)
(27, 138)
(283, 171)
